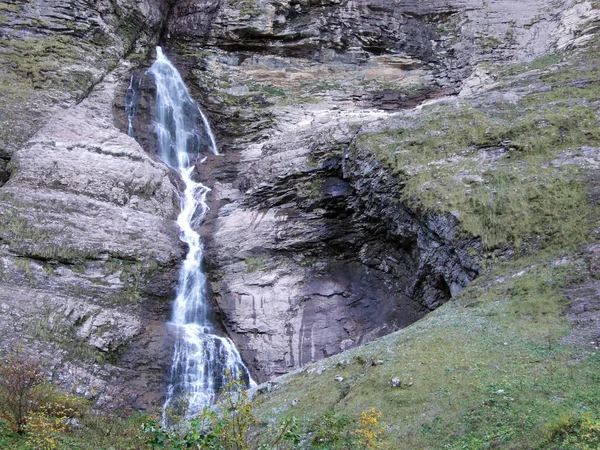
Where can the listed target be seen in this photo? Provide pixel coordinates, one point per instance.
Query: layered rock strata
(88, 249)
(311, 250)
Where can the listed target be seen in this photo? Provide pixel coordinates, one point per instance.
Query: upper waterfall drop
(201, 356)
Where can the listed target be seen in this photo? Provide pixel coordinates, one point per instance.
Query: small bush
(574, 431)
(45, 426)
(370, 430)
(20, 390)
(332, 431)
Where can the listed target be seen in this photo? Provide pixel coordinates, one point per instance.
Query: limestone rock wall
(310, 250)
(88, 248)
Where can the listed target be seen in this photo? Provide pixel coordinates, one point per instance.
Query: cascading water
(201, 357)
(131, 102)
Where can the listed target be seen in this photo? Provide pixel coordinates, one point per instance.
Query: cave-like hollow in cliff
(300, 265)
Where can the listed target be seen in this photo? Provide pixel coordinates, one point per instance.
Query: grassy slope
(491, 368)
(494, 336)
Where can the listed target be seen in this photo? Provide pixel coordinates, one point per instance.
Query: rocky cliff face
(88, 250)
(310, 248)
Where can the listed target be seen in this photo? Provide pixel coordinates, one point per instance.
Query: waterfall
(201, 356)
(131, 103)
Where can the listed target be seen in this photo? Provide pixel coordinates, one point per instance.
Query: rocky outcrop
(246, 57)
(311, 250)
(88, 248)
(323, 257)
(53, 52)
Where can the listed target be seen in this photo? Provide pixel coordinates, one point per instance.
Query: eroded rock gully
(309, 249)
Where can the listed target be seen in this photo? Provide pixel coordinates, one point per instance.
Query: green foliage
(489, 370)
(46, 425)
(331, 431)
(488, 42)
(39, 59)
(230, 425)
(49, 423)
(10, 7)
(137, 56)
(310, 189)
(271, 90)
(235, 416)
(32, 411)
(527, 198)
(574, 432)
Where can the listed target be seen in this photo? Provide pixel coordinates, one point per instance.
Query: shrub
(44, 427)
(332, 432)
(370, 430)
(20, 390)
(575, 431)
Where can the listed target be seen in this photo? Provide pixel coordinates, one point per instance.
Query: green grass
(520, 200)
(488, 370)
(309, 189)
(10, 7)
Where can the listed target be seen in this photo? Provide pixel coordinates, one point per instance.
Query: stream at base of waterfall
(202, 357)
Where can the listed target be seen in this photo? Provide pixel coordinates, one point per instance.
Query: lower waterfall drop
(201, 357)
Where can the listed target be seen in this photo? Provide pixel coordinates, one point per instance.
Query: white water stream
(201, 356)
(131, 99)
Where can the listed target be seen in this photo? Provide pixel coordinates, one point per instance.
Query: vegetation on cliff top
(510, 166)
(500, 366)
